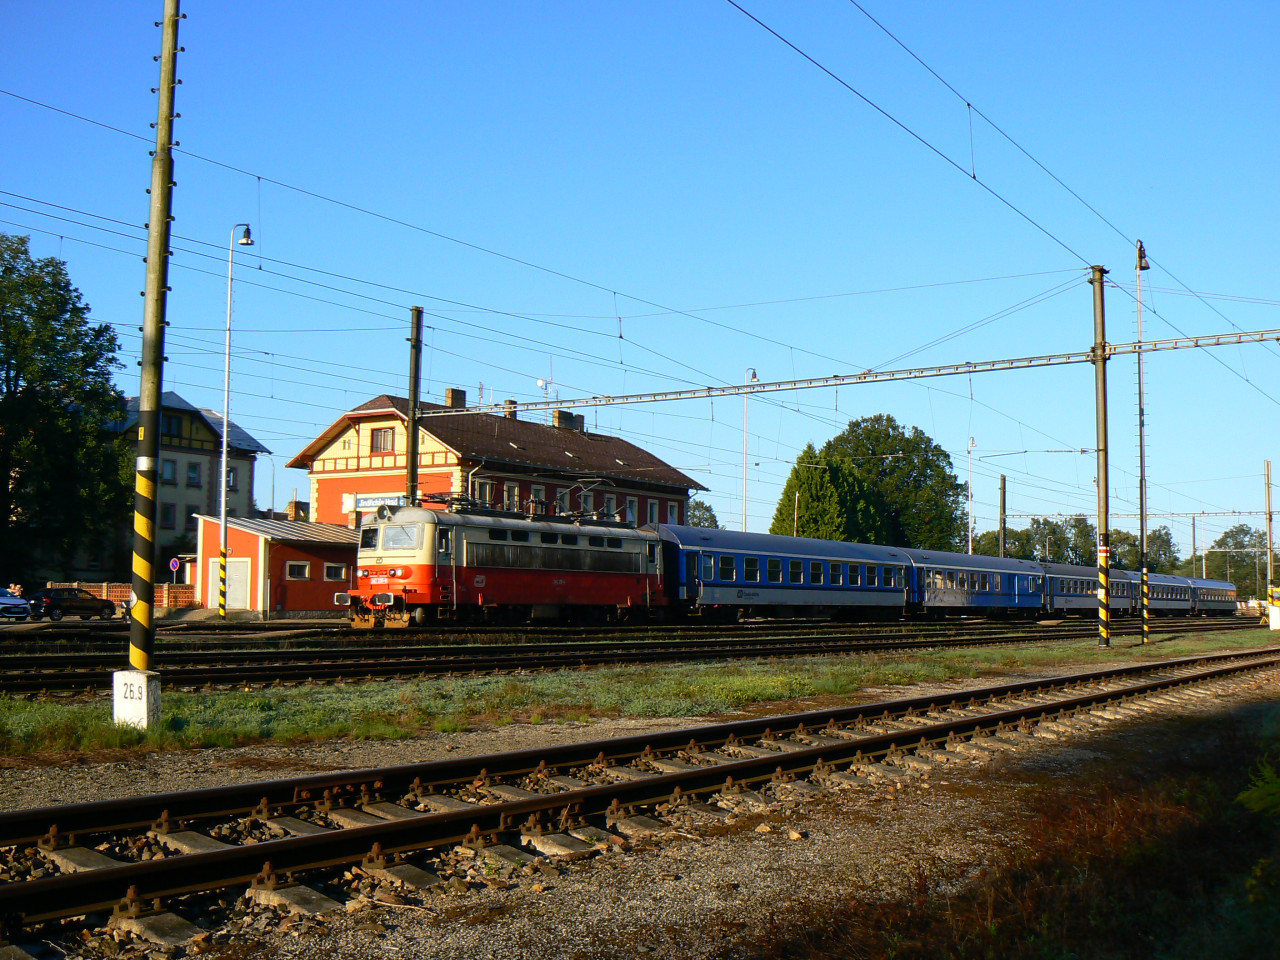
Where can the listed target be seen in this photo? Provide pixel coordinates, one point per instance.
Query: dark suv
(60, 601)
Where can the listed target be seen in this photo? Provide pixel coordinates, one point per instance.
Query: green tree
(700, 514)
(826, 498)
(1232, 557)
(1162, 555)
(891, 486)
(64, 475)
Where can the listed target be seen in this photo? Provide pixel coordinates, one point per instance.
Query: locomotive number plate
(377, 579)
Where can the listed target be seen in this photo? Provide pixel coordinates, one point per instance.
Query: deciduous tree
(62, 472)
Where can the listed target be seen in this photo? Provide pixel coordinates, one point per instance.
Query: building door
(237, 583)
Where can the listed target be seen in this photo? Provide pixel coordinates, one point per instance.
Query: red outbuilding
(276, 567)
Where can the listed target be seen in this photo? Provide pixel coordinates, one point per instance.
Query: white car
(12, 606)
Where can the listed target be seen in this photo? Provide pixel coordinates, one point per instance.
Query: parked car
(61, 601)
(12, 606)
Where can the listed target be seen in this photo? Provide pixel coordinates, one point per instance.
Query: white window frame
(587, 501)
(380, 432)
(562, 500)
(653, 510)
(484, 491)
(341, 569)
(169, 472)
(233, 478)
(538, 491)
(289, 566)
(511, 495)
(673, 512)
(633, 509)
(193, 468)
(611, 504)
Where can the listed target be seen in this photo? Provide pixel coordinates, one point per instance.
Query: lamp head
(1142, 257)
(246, 240)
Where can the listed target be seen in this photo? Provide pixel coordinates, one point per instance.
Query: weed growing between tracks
(399, 709)
(1156, 854)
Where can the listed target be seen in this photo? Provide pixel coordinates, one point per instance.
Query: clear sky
(543, 176)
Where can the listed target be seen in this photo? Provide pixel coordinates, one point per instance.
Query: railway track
(420, 826)
(47, 673)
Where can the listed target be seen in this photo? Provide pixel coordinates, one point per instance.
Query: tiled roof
(292, 531)
(526, 443)
(237, 439)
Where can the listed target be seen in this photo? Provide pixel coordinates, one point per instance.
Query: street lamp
(245, 241)
(750, 378)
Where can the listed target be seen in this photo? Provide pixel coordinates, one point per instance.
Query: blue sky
(676, 166)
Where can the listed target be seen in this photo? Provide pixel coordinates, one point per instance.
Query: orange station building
(359, 463)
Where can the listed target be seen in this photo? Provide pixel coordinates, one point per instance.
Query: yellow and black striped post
(1146, 606)
(1104, 594)
(142, 615)
(222, 582)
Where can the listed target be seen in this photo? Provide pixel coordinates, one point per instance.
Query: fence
(167, 594)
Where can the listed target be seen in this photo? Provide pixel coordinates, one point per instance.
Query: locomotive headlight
(393, 572)
(364, 571)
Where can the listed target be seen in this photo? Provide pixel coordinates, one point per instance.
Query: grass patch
(392, 710)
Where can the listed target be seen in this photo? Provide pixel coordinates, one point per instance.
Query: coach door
(692, 588)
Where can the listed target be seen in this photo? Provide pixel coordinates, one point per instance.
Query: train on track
(419, 565)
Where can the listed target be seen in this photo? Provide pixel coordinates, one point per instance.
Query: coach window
(986, 583)
(569, 539)
(796, 573)
(443, 540)
(520, 536)
(496, 534)
(728, 571)
(815, 571)
(855, 574)
(297, 570)
(775, 570)
(548, 537)
(653, 552)
(837, 574)
(595, 541)
(996, 582)
(708, 566)
(751, 569)
(951, 579)
(613, 543)
(872, 574)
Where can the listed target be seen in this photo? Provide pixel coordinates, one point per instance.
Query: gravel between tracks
(697, 895)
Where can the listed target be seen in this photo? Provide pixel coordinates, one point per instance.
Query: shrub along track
(90, 673)
(397, 824)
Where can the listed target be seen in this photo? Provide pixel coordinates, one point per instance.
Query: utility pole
(137, 691)
(750, 378)
(1142, 462)
(415, 388)
(1002, 515)
(1272, 616)
(972, 444)
(1100, 403)
(1193, 545)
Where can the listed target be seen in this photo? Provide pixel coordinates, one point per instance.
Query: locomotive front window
(402, 536)
(369, 538)
(775, 570)
(796, 573)
(727, 569)
(815, 571)
(751, 569)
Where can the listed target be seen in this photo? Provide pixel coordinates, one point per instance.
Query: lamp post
(972, 443)
(245, 241)
(750, 378)
(1142, 264)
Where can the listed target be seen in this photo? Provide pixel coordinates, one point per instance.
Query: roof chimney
(454, 398)
(509, 409)
(563, 419)
(580, 422)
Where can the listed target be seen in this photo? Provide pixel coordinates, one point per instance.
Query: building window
(297, 570)
(538, 492)
(335, 571)
(346, 444)
(484, 491)
(562, 501)
(673, 513)
(193, 474)
(588, 501)
(169, 471)
(611, 505)
(170, 426)
(382, 440)
(168, 515)
(653, 511)
(233, 478)
(231, 512)
(190, 522)
(633, 509)
(511, 495)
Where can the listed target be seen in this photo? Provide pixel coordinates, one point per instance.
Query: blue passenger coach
(955, 584)
(727, 573)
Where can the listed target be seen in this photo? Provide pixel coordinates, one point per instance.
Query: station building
(543, 469)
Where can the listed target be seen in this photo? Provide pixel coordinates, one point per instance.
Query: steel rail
(266, 667)
(78, 893)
